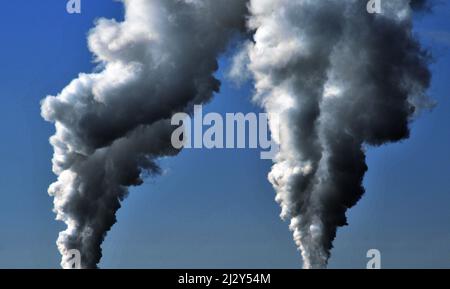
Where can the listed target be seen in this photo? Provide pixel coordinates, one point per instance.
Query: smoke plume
(338, 78)
(112, 125)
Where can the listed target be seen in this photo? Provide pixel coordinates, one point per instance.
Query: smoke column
(338, 79)
(113, 124)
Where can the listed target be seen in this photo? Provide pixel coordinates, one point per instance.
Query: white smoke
(338, 78)
(112, 125)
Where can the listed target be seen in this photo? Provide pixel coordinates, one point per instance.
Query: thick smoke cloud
(338, 78)
(335, 77)
(112, 125)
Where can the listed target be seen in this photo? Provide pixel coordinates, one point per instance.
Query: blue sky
(210, 209)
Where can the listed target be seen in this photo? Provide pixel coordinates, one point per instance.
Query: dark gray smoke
(422, 5)
(337, 78)
(112, 125)
(333, 78)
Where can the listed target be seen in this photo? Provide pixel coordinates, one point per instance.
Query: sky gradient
(210, 208)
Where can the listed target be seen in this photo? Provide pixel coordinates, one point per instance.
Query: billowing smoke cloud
(338, 78)
(113, 124)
